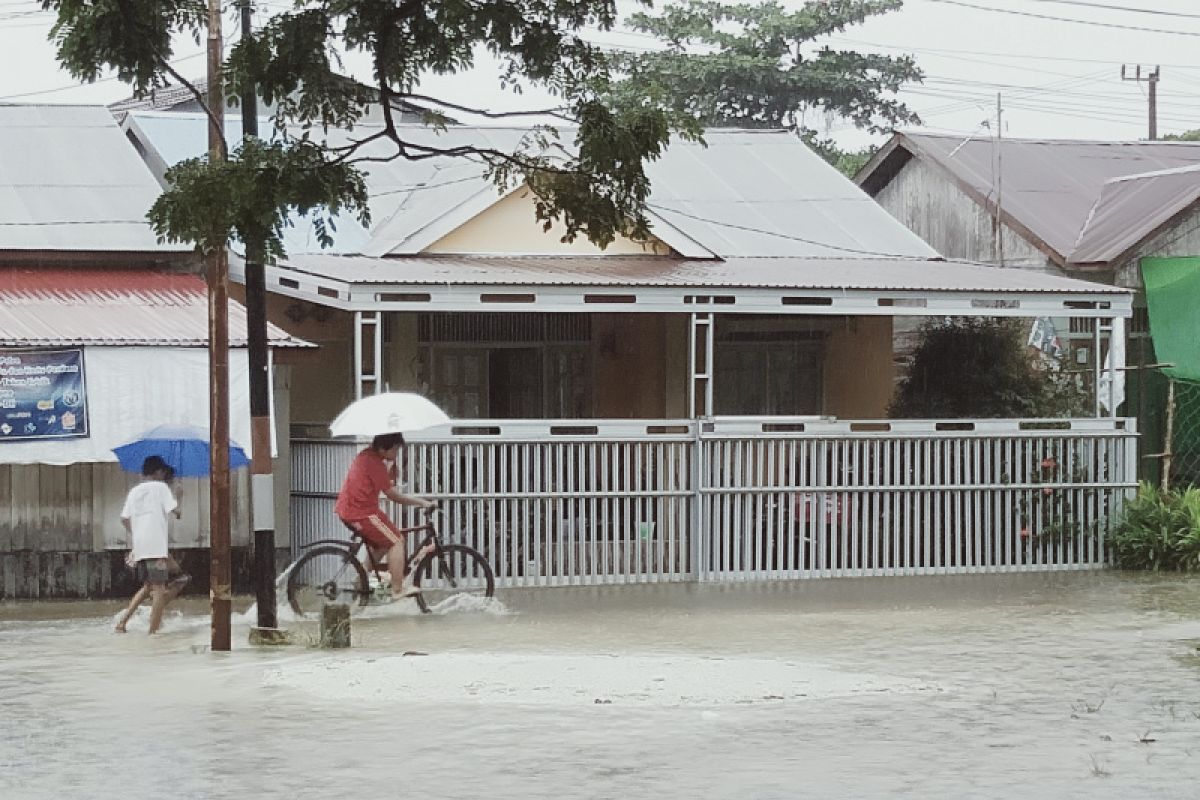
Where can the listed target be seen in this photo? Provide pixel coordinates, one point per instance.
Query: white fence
(590, 502)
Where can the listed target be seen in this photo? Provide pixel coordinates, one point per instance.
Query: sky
(1056, 78)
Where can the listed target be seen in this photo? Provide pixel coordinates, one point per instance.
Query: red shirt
(368, 476)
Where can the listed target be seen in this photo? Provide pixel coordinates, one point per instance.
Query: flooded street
(1033, 686)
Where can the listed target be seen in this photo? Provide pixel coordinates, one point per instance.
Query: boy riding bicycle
(358, 506)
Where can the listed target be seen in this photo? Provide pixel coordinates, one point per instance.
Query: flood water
(1033, 686)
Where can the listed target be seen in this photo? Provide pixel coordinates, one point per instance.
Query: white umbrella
(390, 412)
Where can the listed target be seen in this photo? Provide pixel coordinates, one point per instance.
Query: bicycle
(332, 572)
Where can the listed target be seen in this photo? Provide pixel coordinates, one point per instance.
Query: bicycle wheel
(453, 572)
(325, 575)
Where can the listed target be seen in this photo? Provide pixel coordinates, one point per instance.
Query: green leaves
(250, 197)
(1158, 530)
(597, 187)
(980, 368)
(132, 37)
(754, 65)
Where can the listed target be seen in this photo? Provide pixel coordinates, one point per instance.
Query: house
(1088, 210)
(103, 334)
(670, 408)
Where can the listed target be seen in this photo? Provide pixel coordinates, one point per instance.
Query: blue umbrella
(183, 447)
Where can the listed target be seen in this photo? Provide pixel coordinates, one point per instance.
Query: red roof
(113, 307)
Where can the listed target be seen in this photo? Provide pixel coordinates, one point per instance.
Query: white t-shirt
(146, 508)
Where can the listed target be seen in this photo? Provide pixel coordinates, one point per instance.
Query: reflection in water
(1044, 686)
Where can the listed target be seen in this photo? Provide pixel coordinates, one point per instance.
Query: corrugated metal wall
(60, 526)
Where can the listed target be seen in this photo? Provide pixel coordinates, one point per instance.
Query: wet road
(1038, 686)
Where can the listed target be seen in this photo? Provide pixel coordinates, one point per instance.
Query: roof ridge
(910, 133)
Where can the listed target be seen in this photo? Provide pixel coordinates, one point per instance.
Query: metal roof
(742, 193)
(70, 182)
(927, 275)
(1130, 208)
(113, 307)
(1053, 188)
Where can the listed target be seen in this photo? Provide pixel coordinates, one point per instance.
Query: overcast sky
(1057, 78)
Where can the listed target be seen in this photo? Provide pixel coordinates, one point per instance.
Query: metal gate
(560, 503)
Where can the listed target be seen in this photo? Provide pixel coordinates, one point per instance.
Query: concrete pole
(262, 486)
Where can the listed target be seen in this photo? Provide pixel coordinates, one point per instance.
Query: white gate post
(700, 408)
(374, 321)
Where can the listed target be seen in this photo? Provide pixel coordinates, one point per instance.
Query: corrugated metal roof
(760, 272)
(1052, 186)
(744, 193)
(1129, 208)
(113, 307)
(69, 181)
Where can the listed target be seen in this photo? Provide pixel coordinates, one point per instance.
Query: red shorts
(377, 530)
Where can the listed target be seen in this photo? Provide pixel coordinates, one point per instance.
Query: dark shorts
(377, 530)
(153, 570)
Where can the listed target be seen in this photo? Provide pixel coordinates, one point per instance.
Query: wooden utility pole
(999, 179)
(1151, 77)
(218, 363)
(261, 469)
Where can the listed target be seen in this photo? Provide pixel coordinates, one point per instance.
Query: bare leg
(176, 585)
(138, 597)
(158, 592)
(395, 560)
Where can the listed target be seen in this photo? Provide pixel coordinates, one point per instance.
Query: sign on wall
(42, 395)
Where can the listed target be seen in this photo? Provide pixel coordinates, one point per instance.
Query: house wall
(675, 375)
(321, 382)
(510, 226)
(859, 369)
(931, 205)
(630, 366)
(1181, 240)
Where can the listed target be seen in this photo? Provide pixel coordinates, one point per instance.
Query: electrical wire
(790, 237)
(1108, 7)
(1075, 20)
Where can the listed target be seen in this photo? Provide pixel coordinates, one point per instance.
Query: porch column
(368, 353)
(700, 365)
(1114, 386)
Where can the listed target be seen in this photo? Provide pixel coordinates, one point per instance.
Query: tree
(981, 368)
(848, 162)
(755, 65)
(595, 185)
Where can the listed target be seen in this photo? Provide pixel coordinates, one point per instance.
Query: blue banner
(42, 395)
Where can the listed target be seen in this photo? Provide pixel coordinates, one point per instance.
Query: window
(509, 366)
(764, 370)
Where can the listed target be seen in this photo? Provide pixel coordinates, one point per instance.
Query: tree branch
(549, 112)
(196, 93)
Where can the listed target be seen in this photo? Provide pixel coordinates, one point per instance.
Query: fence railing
(603, 501)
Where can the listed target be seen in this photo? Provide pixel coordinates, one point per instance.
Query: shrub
(1159, 530)
(981, 368)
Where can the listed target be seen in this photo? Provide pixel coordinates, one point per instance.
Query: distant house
(1089, 210)
(181, 99)
(1079, 208)
(103, 334)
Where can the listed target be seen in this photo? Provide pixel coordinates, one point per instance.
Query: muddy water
(1043, 686)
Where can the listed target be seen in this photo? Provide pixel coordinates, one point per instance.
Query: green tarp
(1173, 298)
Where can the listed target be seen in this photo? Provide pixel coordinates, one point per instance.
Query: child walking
(145, 517)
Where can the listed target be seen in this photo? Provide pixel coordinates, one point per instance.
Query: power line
(84, 85)
(790, 237)
(1108, 7)
(1076, 20)
(995, 54)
